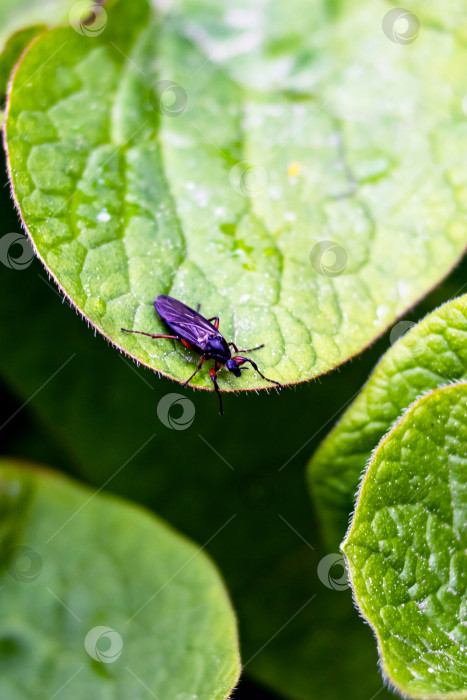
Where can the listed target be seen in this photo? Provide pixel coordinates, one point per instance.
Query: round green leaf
(407, 543)
(430, 354)
(300, 174)
(102, 598)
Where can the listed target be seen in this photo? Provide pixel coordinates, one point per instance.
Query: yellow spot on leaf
(293, 169)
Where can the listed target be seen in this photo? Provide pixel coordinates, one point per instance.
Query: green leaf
(406, 547)
(431, 354)
(101, 597)
(16, 15)
(255, 161)
(12, 51)
(22, 20)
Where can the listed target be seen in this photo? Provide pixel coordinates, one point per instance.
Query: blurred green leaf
(429, 355)
(406, 547)
(12, 51)
(101, 597)
(16, 15)
(252, 159)
(22, 20)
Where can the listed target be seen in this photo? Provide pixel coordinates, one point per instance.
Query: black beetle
(200, 335)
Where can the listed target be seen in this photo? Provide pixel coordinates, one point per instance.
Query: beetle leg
(242, 360)
(258, 347)
(151, 335)
(214, 318)
(213, 375)
(216, 321)
(200, 364)
(198, 306)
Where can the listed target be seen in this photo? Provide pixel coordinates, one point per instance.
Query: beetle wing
(185, 321)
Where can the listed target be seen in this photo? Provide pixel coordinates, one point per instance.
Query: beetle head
(232, 366)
